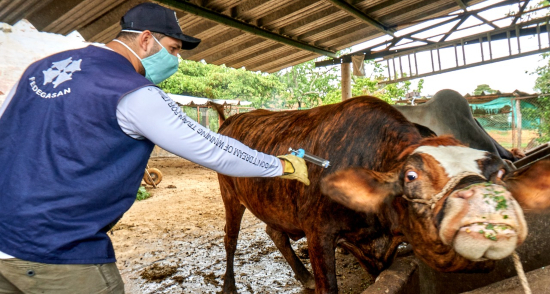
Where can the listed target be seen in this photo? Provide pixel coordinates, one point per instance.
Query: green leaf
(142, 194)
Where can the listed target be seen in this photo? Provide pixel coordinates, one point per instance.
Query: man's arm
(150, 113)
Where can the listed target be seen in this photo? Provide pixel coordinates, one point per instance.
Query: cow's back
(362, 131)
(448, 113)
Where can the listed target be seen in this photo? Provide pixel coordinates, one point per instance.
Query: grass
(142, 194)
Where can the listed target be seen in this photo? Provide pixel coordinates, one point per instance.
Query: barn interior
(271, 35)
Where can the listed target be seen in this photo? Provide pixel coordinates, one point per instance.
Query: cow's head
(457, 206)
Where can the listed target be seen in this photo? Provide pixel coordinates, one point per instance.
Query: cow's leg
(323, 261)
(283, 244)
(233, 215)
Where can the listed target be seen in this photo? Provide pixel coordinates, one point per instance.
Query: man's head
(157, 19)
(152, 39)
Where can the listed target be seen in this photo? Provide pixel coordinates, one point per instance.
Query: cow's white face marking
(454, 159)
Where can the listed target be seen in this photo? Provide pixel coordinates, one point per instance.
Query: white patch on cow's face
(455, 159)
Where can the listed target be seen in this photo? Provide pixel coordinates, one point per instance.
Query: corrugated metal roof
(316, 23)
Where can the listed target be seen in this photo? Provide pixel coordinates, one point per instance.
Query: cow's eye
(500, 173)
(411, 176)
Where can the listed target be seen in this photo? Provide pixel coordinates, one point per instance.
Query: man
(76, 133)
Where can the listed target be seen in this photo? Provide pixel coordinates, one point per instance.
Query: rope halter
(448, 187)
(451, 185)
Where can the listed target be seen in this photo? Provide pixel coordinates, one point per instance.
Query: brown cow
(433, 193)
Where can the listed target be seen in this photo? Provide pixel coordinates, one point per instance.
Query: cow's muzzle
(482, 221)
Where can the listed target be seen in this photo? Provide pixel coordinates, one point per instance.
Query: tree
(542, 112)
(370, 85)
(306, 86)
(300, 86)
(221, 82)
(485, 89)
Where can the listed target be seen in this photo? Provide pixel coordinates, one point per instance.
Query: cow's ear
(361, 189)
(531, 186)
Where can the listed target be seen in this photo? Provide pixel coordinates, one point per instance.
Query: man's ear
(144, 39)
(531, 186)
(361, 189)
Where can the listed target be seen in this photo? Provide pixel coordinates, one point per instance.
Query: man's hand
(294, 168)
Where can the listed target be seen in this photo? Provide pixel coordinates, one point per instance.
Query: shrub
(142, 194)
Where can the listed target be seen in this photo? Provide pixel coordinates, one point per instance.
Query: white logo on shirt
(61, 71)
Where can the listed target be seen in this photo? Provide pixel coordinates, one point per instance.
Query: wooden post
(220, 122)
(207, 123)
(198, 115)
(512, 102)
(346, 80)
(518, 125)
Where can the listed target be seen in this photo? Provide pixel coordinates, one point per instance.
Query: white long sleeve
(150, 113)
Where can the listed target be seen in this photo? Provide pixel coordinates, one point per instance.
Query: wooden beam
(290, 63)
(328, 29)
(226, 20)
(199, 27)
(241, 61)
(307, 22)
(239, 11)
(236, 51)
(15, 11)
(522, 8)
(363, 17)
(277, 60)
(525, 31)
(518, 124)
(93, 31)
(485, 21)
(225, 46)
(40, 20)
(208, 44)
(268, 19)
(399, 13)
(461, 4)
(81, 15)
(512, 101)
(346, 80)
(453, 29)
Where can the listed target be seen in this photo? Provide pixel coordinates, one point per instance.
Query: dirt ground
(173, 242)
(504, 138)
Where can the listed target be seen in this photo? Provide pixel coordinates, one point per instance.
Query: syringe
(310, 157)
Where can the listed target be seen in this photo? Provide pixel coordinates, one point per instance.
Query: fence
(509, 122)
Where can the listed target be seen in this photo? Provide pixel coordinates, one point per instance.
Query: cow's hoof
(229, 289)
(310, 284)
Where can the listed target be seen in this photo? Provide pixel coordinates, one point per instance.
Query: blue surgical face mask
(159, 66)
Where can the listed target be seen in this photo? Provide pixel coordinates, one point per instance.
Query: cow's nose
(465, 194)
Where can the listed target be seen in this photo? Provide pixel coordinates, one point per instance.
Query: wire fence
(512, 123)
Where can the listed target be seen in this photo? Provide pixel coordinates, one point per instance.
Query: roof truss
(406, 39)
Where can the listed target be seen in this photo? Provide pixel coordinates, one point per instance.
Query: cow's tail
(219, 109)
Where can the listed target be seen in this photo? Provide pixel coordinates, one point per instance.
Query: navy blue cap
(158, 19)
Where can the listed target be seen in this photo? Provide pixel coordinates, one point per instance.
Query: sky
(505, 76)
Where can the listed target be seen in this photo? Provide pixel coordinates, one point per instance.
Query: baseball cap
(158, 19)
